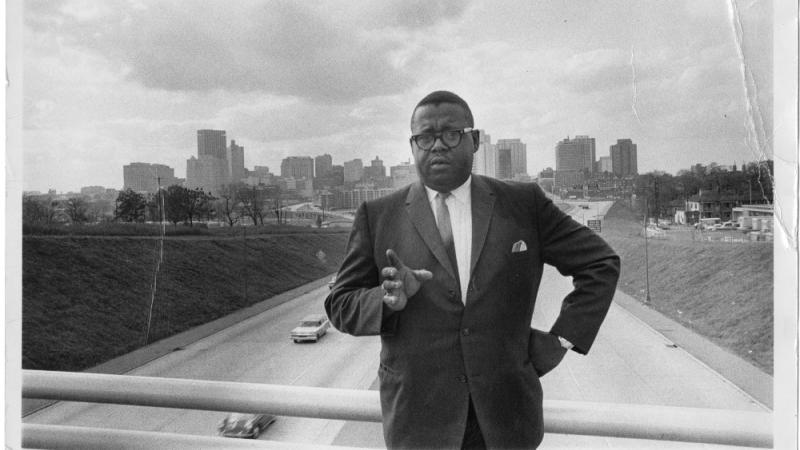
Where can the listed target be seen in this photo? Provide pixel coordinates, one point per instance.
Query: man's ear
(476, 141)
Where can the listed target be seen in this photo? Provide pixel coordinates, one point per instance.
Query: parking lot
(687, 233)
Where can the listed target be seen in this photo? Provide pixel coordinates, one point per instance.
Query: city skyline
(99, 94)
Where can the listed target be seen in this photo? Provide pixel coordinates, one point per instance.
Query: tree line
(174, 204)
(178, 204)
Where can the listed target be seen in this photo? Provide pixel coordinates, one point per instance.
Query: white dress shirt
(459, 205)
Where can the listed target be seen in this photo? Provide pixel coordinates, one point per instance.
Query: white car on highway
(311, 328)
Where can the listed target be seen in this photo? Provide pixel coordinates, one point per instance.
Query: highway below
(630, 362)
(256, 350)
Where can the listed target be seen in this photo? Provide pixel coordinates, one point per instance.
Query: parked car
(238, 425)
(725, 226)
(311, 328)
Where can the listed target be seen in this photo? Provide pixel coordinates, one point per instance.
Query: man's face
(440, 168)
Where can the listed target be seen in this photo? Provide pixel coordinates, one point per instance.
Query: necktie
(445, 228)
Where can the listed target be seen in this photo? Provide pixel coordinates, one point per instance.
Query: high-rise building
(144, 177)
(624, 158)
(484, 161)
(575, 154)
(574, 161)
(259, 175)
(297, 167)
(353, 170)
(211, 143)
(207, 173)
(322, 165)
(261, 170)
(210, 170)
(517, 154)
(604, 164)
(236, 162)
(375, 172)
(504, 164)
(333, 177)
(403, 174)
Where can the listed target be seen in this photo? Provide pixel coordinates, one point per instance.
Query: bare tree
(252, 200)
(76, 209)
(228, 204)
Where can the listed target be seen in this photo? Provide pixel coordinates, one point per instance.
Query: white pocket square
(519, 246)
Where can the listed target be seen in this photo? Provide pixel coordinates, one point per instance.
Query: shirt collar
(460, 194)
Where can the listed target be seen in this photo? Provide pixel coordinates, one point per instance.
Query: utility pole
(646, 256)
(244, 259)
(655, 198)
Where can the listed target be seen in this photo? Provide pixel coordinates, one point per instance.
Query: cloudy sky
(107, 83)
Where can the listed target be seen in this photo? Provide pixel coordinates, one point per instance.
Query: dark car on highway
(238, 425)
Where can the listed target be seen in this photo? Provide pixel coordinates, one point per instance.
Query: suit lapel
(419, 210)
(482, 206)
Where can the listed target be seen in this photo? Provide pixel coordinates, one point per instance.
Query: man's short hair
(436, 98)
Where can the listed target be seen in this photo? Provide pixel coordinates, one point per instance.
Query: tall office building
(375, 172)
(236, 162)
(259, 175)
(403, 174)
(484, 161)
(207, 173)
(574, 161)
(144, 177)
(604, 164)
(322, 165)
(505, 166)
(353, 170)
(211, 143)
(623, 158)
(575, 154)
(297, 167)
(210, 170)
(518, 157)
(336, 176)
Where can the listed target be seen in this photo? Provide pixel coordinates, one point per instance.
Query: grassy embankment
(723, 291)
(86, 299)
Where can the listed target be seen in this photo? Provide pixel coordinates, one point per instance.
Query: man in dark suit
(446, 271)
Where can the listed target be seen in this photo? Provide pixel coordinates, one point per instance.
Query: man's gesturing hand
(400, 282)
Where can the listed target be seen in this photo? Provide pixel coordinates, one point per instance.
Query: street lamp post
(646, 256)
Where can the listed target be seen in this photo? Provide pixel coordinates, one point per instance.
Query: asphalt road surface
(257, 350)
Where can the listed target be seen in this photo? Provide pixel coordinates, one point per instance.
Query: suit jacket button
(452, 293)
(462, 378)
(465, 332)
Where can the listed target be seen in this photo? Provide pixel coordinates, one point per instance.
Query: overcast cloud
(107, 83)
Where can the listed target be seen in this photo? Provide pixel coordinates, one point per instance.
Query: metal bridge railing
(709, 426)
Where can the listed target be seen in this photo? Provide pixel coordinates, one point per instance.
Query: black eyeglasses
(450, 138)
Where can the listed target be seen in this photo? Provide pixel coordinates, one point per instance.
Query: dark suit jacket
(436, 354)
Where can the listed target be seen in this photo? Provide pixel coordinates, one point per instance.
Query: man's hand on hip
(545, 351)
(400, 282)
